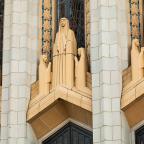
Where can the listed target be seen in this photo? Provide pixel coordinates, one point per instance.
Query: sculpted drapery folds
(64, 51)
(44, 75)
(80, 69)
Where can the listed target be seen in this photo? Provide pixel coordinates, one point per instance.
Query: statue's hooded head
(135, 43)
(64, 24)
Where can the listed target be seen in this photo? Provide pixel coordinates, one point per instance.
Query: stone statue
(44, 75)
(137, 61)
(64, 52)
(141, 63)
(68, 69)
(80, 69)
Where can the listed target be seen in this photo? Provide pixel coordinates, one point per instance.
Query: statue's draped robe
(64, 51)
(80, 70)
(135, 61)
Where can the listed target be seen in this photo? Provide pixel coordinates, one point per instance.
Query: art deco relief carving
(137, 61)
(68, 67)
(136, 20)
(46, 27)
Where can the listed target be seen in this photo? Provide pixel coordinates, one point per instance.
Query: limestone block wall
(33, 37)
(122, 27)
(6, 72)
(17, 72)
(108, 41)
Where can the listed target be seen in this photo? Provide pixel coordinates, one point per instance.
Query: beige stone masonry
(74, 96)
(35, 86)
(46, 112)
(135, 112)
(132, 92)
(55, 114)
(132, 102)
(127, 76)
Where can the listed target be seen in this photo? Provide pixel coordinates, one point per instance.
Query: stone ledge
(35, 86)
(34, 89)
(131, 92)
(74, 96)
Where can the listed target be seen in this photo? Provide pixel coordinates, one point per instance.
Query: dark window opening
(139, 135)
(70, 134)
(1, 36)
(74, 11)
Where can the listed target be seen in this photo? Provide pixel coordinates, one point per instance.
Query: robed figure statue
(64, 52)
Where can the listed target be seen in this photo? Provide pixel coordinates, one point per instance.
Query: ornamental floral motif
(47, 27)
(136, 20)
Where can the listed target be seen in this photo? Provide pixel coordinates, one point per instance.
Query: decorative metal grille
(47, 27)
(74, 11)
(1, 36)
(135, 20)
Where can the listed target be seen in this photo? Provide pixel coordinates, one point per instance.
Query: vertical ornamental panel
(47, 28)
(136, 20)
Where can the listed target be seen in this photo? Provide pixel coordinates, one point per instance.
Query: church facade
(72, 72)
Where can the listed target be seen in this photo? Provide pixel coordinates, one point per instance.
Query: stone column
(106, 68)
(6, 72)
(16, 73)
